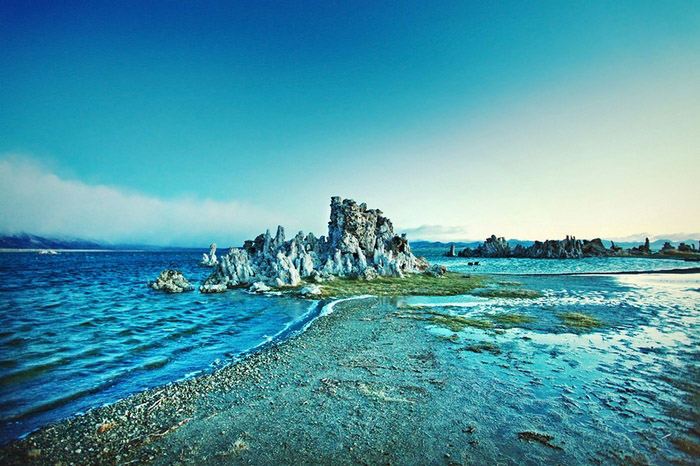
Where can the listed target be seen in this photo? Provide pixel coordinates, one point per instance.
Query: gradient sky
(185, 122)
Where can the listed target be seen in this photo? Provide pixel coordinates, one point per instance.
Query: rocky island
(360, 244)
(568, 248)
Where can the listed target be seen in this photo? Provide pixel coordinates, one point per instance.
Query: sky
(183, 123)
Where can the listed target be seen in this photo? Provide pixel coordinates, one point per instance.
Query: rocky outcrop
(642, 249)
(361, 243)
(568, 248)
(615, 249)
(171, 281)
(452, 252)
(667, 247)
(210, 260)
(310, 290)
(686, 247)
(436, 270)
(492, 247)
(594, 248)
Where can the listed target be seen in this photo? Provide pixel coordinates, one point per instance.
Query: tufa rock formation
(492, 247)
(686, 247)
(569, 248)
(361, 243)
(171, 281)
(642, 249)
(210, 260)
(452, 252)
(667, 247)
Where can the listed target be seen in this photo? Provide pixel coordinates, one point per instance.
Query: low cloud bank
(437, 233)
(36, 201)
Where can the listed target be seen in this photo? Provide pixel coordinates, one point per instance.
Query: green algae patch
(454, 338)
(449, 284)
(578, 320)
(686, 445)
(507, 293)
(512, 320)
(447, 321)
(456, 323)
(492, 348)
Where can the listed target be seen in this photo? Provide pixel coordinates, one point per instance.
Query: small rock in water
(258, 287)
(210, 260)
(171, 281)
(218, 288)
(436, 270)
(311, 290)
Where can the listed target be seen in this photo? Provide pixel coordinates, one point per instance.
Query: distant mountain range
(29, 241)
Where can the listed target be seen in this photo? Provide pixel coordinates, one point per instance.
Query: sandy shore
(358, 387)
(361, 386)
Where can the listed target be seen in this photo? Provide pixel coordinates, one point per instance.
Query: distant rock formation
(452, 252)
(210, 260)
(171, 281)
(642, 249)
(361, 243)
(614, 249)
(686, 247)
(492, 247)
(667, 247)
(568, 248)
(595, 248)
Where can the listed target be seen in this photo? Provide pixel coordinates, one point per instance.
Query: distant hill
(29, 241)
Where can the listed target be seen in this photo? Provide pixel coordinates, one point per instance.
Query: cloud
(437, 233)
(676, 237)
(35, 200)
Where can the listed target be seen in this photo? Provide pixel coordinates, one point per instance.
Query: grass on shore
(459, 323)
(450, 284)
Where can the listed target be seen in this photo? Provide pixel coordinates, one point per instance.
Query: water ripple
(93, 333)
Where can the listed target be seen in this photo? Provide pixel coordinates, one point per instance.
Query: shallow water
(625, 391)
(549, 266)
(78, 330)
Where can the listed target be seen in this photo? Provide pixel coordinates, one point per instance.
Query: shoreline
(171, 402)
(364, 384)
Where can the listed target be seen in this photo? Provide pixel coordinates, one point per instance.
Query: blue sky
(458, 119)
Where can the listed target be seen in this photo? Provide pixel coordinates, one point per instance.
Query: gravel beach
(363, 385)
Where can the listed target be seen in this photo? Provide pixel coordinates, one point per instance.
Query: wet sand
(361, 386)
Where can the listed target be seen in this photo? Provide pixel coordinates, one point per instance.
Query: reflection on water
(631, 384)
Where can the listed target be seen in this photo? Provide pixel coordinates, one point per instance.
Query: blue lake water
(78, 330)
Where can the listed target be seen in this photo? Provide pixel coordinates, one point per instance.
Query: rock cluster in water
(361, 243)
(568, 248)
(171, 281)
(210, 260)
